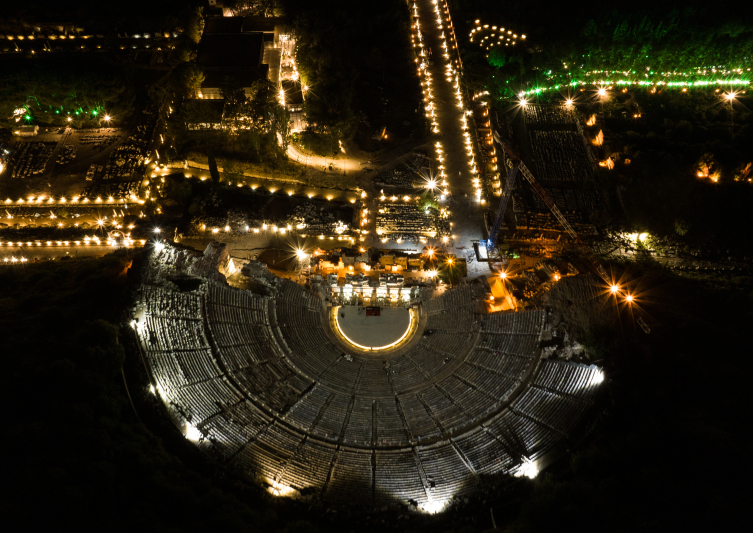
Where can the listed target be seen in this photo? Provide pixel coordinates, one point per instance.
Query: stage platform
(373, 332)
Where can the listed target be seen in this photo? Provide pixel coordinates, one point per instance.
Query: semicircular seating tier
(268, 390)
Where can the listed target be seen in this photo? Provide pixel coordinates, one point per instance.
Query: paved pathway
(445, 108)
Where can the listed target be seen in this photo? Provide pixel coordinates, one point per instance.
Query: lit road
(448, 141)
(19, 255)
(321, 163)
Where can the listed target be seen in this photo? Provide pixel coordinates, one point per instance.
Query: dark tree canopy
(345, 52)
(61, 86)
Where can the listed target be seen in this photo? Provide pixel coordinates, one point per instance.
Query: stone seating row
(168, 334)
(290, 430)
(458, 297)
(457, 319)
(560, 156)
(577, 380)
(553, 410)
(537, 114)
(159, 302)
(521, 323)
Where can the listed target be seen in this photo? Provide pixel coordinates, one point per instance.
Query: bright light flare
(192, 433)
(433, 506)
(730, 96)
(629, 298)
(602, 92)
(528, 469)
(614, 289)
(569, 102)
(523, 102)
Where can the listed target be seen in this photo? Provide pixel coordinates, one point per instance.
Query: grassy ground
(319, 144)
(287, 171)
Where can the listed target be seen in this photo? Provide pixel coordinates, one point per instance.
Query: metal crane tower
(520, 166)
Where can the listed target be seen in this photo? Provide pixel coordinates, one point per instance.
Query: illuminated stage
(377, 330)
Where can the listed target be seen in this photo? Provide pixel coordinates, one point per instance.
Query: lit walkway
(453, 156)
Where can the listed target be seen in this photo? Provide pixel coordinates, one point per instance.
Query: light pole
(602, 96)
(730, 97)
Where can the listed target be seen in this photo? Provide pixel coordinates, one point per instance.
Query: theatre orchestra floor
(373, 331)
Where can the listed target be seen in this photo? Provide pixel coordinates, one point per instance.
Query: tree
(263, 102)
(213, 172)
(160, 99)
(283, 126)
(707, 167)
(193, 112)
(236, 110)
(185, 80)
(193, 21)
(54, 88)
(232, 172)
(250, 141)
